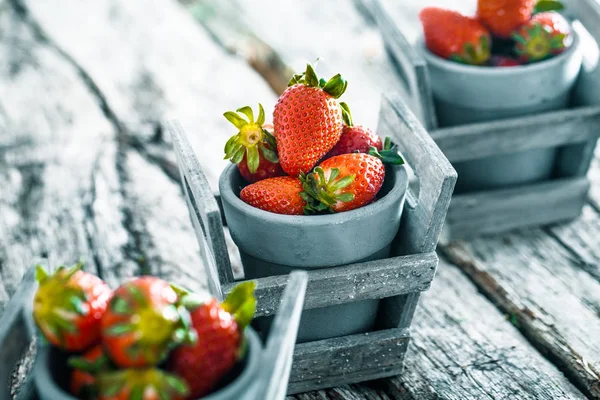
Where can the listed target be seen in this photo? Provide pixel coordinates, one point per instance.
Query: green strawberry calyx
(157, 329)
(389, 154)
(346, 115)
(548, 5)
(335, 87)
(137, 382)
(241, 303)
(321, 193)
(250, 139)
(474, 54)
(58, 303)
(538, 42)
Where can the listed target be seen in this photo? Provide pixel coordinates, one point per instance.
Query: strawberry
(502, 17)
(545, 35)
(253, 148)
(141, 384)
(220, 330)
(455, 37)
(503, 61)
(281, 195)
(344, 182)
(68, 307)
(143, 322)
(354, 139)
(85, 368)
(308, 120)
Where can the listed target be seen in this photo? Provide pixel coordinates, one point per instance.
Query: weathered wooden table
(86, 172)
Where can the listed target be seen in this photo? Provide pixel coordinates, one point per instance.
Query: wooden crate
(573, 131)
(398, 281)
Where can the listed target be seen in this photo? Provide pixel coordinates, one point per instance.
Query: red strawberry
(281, 195)
(308, 120)
(455, 37)
(220, 334)
(503, 61)
(502, 17)
(141, 384)
(545, 35)
(253, 148)
(68, 307)
(355, 139)
(85, 368)
(344, 182)
(143, 322)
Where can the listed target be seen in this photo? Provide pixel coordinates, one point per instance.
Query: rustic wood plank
(475, 141)
(463, 348)
(341, 360)
(277, 361)
(60, 189)
(137, 80)
(160, 65)
(501, 210)
(369, 280)
(540, 284)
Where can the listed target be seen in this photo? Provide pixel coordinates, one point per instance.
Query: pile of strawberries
(312, 160)
(147, 340)
(504, 33)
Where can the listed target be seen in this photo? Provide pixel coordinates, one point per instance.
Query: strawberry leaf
(336, 86)
(253, 159)
(40, 274)
(247, 111)
(346, 197)
(239, 155)
(238, 296)
(310, 76)
(244, 314)
(346, 114)
(548, 5)
(261, 115)
(118, 330)
(269, 154)
(235, 119)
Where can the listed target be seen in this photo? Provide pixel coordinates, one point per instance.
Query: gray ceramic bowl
(468, 94)
(51, 374)
(273, 244)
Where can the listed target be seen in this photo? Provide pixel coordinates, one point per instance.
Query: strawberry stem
(322, 193)
(389, 154)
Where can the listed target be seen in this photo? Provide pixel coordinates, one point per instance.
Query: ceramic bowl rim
(398, 190)
(448, 65)
(43, 377)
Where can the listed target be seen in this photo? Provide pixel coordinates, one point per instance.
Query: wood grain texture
(540, 284)
(495, 211)
(277, 361)
(355, 358)
(475, 141)
(425, 212)
(16, 332)
(462, 347)
(57, 203)
(368, 280)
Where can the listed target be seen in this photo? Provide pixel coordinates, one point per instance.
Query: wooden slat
(475, 141)
(540, 285)
(204, 210)
(463, 348)
(506, 209)
(341, 360)
(16, 332)
(277, 359)
(426, 211)
(369, 280)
